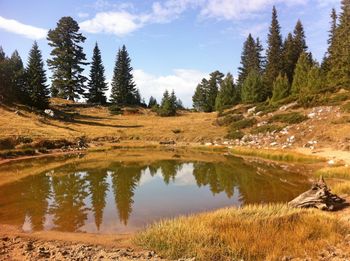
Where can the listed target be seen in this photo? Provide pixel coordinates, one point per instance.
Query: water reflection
(122, 196)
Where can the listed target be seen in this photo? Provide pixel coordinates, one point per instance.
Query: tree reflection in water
(63, 198)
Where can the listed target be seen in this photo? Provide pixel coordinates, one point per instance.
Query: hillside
(289, 126)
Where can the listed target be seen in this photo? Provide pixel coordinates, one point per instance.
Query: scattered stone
(49, 112)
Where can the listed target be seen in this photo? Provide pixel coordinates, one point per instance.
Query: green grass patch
(254, 232)
(229, 119)
(289, 118)
(234, 134)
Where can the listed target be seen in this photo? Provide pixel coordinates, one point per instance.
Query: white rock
(331, 162)
(311, 115)
(251, 110)
(49, 112)
(273, 143)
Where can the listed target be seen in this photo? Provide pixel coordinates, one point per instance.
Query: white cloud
(28, 31)
(182, 81)
(118, 23)
(83, 15)
(255, 30)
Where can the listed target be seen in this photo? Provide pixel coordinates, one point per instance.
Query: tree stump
(320, 197)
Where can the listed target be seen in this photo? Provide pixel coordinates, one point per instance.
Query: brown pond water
(118, 192)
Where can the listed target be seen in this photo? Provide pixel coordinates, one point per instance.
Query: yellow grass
(341, 172)
(341, 188)
(97, 122)
(256, 232)
(278, 155)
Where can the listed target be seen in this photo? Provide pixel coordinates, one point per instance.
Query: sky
(173, 44)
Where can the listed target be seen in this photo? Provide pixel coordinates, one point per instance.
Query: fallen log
(320, 197)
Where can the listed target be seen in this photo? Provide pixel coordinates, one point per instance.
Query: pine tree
(17, 91)
(36, 79)
(124, 90)
(152, 102)
(289, 57)
(325, 66)
(97, 80)
(251, 59)
(213, 88)
(168, 104)
(274, 53)
(67, 59)
(299, 40)
(227, 95)
(301, 74)
(339, 73)
(199, 96)
(281, 88)
(315, 80)
(252, 89)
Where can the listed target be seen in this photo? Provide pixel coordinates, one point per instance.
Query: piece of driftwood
(319, 196)
(167, 142)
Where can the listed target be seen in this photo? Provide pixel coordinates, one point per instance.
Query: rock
(287, 106)
(331, 162)
(311, 115)
(49, 112)
(251, 110)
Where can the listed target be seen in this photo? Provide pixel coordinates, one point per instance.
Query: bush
(289, 118)
(243, 124)
(7, 143)
(265, 108)
(266, 128)
(234, 134)
(115, 109)
(228, 119)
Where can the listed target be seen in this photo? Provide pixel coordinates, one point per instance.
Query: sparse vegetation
(234, 134)
(266, 128)
(257, 232)
(346, 107)
(228, 119)
(341, 172)
(243, 124)
(289, 118)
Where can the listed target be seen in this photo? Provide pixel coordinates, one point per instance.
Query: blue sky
(172, 43)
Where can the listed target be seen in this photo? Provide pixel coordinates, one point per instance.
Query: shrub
(228, 119)
(115, 109)
(289, 118)
(7, 143)
(234, 134)
(243, 124)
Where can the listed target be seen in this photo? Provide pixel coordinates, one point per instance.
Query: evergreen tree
(281, 88)
(289, 57)
(251, 59)
(199, 96)
(315, 80)
(274, 53)
(97, 82)
(227, 95)
(67, 59)
(339, 74)
(328, 56)
(299, 40)
(252, 89)
(36, 79)
(152, 102)
(124, 90)
(16, 75)
(168, 105)
(301, 74)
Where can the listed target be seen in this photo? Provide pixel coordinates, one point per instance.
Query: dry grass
(97, 122)
(341, 172)
(257, 232)
(277, 155)
(341, 188)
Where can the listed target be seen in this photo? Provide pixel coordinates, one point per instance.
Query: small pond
(123, 191)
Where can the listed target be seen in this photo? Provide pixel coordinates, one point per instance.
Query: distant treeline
(287, 72)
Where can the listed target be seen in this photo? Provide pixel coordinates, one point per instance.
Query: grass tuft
(255, 232)
(341, 172)
(277, 155)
